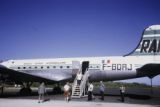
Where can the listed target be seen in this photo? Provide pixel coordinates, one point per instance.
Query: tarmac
(134, 98)
(53, 103)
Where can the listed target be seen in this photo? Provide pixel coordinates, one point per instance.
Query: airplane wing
(36, 76)
(53, 75)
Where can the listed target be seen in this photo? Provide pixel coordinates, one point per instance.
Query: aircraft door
(85, 65)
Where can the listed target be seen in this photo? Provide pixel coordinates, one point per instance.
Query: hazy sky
(73, 28)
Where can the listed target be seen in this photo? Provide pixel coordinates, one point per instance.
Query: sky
(74, 28)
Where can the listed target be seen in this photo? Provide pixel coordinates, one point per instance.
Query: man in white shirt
(90, 91)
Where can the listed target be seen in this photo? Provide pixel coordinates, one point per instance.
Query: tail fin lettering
(150, 42)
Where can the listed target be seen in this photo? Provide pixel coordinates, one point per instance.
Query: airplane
(143, 61)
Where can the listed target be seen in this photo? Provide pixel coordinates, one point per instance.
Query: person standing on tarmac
(41, 92)
(66, 91)
(101, 89)
(90, 91)
(122, 92)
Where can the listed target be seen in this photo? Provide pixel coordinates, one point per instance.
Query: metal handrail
(83, 82)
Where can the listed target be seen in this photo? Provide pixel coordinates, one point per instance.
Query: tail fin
(150, 42)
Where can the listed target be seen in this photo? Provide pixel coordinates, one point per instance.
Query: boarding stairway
(79, 91)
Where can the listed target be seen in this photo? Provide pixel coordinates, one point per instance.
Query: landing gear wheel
(57, 90)
(25, 91)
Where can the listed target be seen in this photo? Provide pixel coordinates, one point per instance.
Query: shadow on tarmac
(140, 97)
(132, 96)
(18, 94)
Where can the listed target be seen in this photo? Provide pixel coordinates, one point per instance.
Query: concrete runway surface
(52, 103)
(134, 98)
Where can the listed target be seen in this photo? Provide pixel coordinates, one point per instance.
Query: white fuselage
(102, 63)
(101, 68)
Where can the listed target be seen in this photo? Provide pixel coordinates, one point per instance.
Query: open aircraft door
(85, 66)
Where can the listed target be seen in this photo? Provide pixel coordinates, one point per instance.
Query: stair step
(77, 88)
(76, 93)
